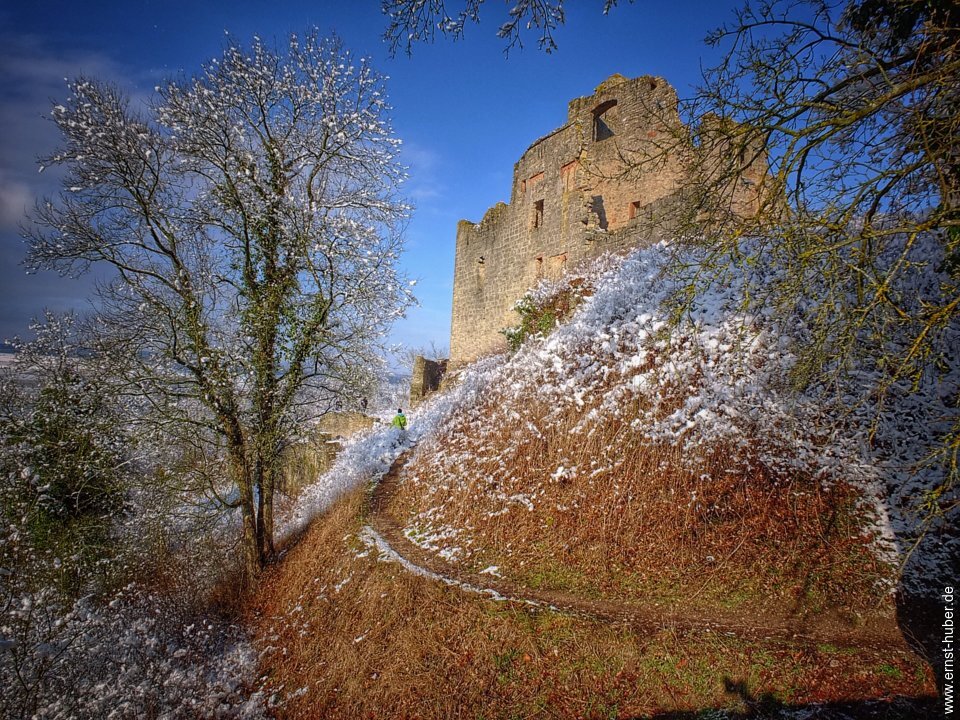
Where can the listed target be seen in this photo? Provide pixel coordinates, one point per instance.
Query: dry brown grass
(638, 521)
(385, 644)
(344, 635)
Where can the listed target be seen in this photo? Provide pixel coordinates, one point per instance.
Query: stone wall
(344, 424)
(610, 179)
(304, 462)
(426, 378)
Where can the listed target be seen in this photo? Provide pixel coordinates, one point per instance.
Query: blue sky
(464, 110)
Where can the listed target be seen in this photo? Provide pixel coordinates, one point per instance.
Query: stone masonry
(610, 179)
(426, 378)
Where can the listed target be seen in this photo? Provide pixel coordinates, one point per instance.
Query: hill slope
(630, 456)
(622, 459)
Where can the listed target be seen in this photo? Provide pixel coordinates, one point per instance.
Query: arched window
(605, 120)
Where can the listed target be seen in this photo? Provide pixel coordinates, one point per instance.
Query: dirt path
(385, 533)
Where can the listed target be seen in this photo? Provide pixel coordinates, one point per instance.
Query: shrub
(540, 312)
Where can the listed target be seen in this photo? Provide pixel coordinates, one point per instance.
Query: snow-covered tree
(251, 219)
(64, 466)
(855, 104)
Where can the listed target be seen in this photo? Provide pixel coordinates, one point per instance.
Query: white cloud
(423, 164)
(15, 199)
(32, 77)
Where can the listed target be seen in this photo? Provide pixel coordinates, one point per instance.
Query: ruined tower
(609, 179)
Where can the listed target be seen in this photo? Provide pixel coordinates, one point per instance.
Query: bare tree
(413, 21)
(855, 104)
(251, 219)
(429, 351)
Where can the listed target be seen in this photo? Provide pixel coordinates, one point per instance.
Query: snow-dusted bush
(64, 465)
(137, 656)
(553, 300)
(78, 524)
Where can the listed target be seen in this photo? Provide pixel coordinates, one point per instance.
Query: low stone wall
(344, 424)
(304, 462)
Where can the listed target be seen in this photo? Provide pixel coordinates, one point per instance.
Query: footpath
(384, 533)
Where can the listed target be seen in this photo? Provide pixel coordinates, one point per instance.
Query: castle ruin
(612, 178)
(425, 379)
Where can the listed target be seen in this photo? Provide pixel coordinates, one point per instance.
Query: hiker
(400, 421)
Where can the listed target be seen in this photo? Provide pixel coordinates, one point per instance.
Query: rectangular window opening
(538, 214)
(556, 266)
(567, 174)
(604, 119)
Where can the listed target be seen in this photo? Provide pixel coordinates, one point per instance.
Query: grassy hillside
(653, 464)
(343, 634)
(628, 457)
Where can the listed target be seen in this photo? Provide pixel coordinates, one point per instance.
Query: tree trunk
(251, 557)
(261, 502)
(240, 471)
(268, 488)
(265, 481)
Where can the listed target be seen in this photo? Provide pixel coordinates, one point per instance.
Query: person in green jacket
(400, 421)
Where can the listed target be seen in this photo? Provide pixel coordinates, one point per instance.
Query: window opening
(538, 214)
(597, 208)
(567, 174)
(556, 265)
(604, 119)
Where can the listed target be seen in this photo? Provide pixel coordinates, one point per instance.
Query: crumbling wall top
(610, 83)
(618, 86)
